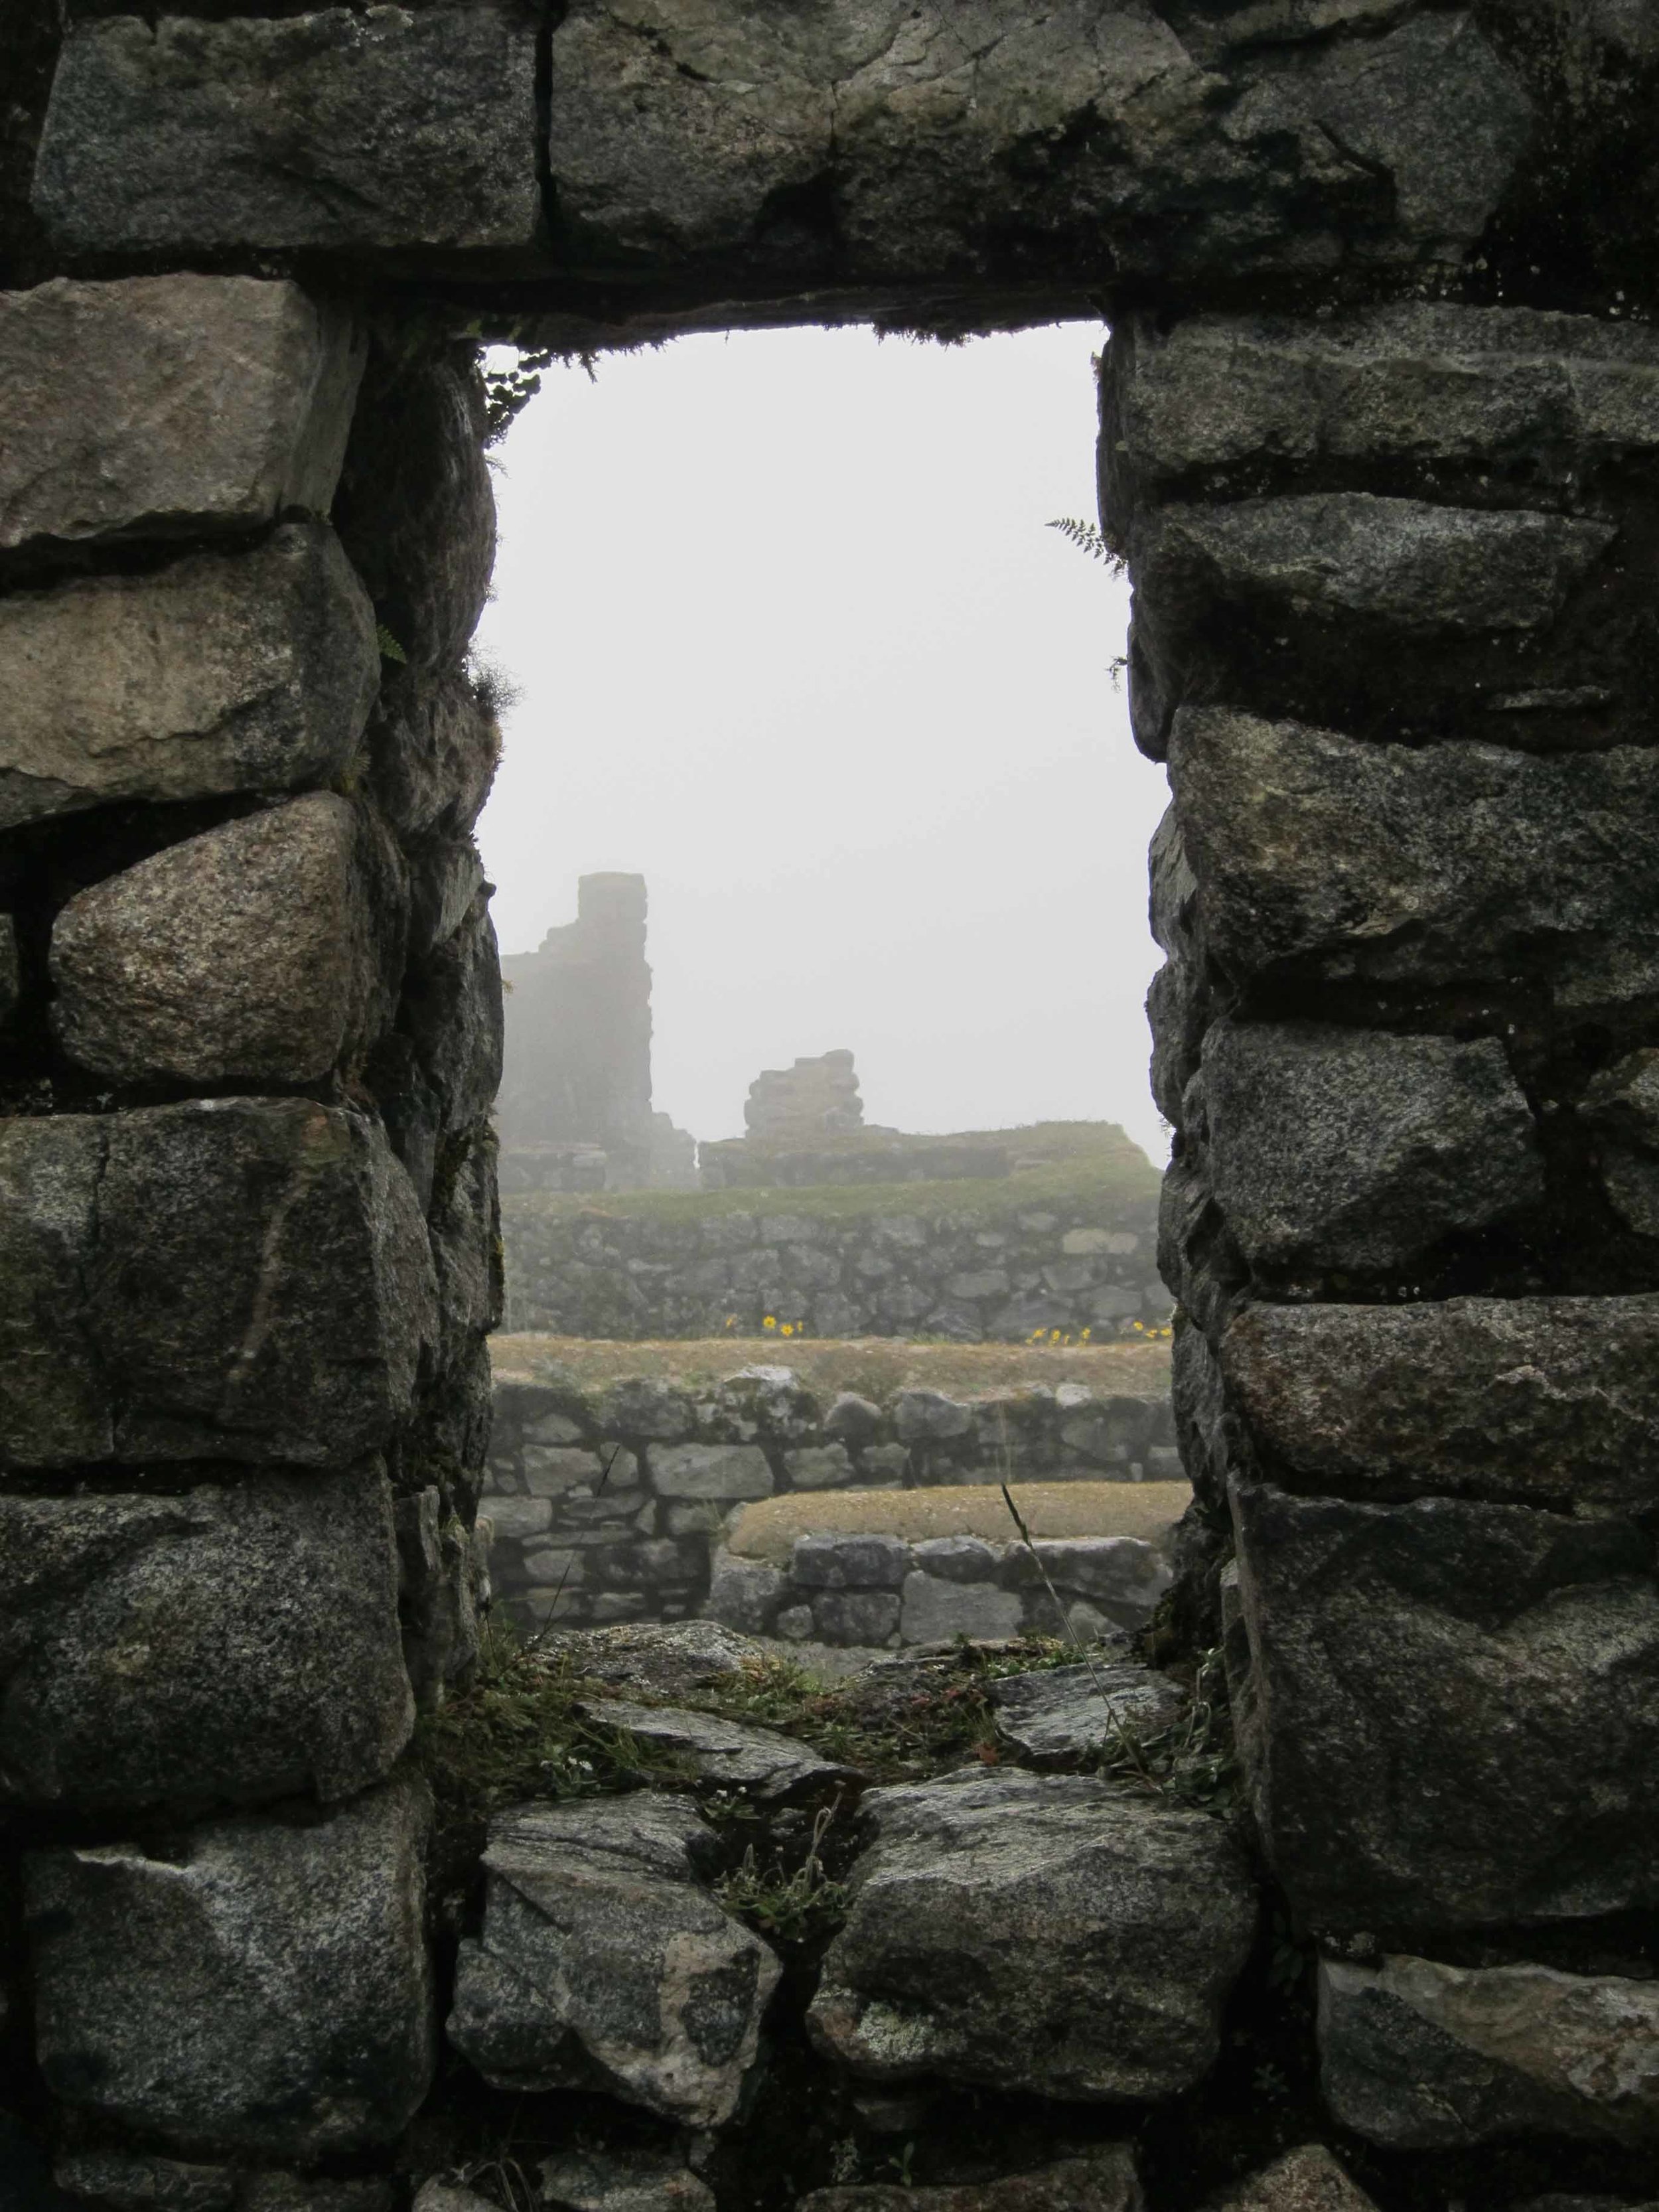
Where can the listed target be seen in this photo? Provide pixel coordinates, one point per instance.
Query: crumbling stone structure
(1381, 413)
(574, 1112)
(806, 1102)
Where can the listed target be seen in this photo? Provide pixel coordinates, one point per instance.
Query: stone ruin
(1379, 443)
(802, 1105)
(573, 1111)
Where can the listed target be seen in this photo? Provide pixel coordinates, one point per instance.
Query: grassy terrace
(874, 1366)
(1088, 1169)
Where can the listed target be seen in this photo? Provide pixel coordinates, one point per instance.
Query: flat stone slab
(1066, 1712)
(236, 400)
(604, 1963)
(621, 2181)
(1038, 1933)
(759, 1761)
(1418, 2056)
(662, 1659)
(1544, 1401)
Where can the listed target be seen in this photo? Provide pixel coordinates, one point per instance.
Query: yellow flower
(1054, 1336)
(1084, 1339)
(788, 1329)
(771, 1321)
(1138, 1324)
(731, 1320)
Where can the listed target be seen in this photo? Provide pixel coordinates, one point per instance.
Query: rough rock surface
(1545, 1400)
(235, 400)
(1400, 1141)
(1349, 857)
(235, 1644)
(1066, 1712)
(1103, 2179)
(1041, 1933)
(1403, 562)
(221, 673)
(263, 951)
(10, 972)
(229, 1279)
(1416, 2056)
(604, 1963)
(1451, 1717)
(390, 127)
(760, 1762)
(683, 136)
(263, 1988)
(661, 1659)
(1412, 382)
(1306, 2179)
(621, 2181)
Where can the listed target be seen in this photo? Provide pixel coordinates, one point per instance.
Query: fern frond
(1086, 539)
(390, 649)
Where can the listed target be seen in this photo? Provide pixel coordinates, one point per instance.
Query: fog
(791, 639)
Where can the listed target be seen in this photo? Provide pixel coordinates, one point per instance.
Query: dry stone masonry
(1380, 445)
(940, 1263)
(612, 1505)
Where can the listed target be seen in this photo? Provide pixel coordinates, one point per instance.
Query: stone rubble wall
(1392, 634)
(606, 1272)
(611, 1505)
(249, 1249)
(876, 1589)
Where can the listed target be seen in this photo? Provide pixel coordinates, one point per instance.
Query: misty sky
(791, 640)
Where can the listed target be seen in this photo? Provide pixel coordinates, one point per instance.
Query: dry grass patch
(767, 1530)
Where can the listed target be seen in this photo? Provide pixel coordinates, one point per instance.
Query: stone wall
(879, 1589)
(1381, 435)
(950, 1268)
(611, 1504)
(248, 1241)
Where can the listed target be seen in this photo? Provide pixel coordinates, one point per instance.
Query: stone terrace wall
(575, 1270)
(638, 1543)
(876, 1589)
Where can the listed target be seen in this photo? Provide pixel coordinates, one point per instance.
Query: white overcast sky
(791, 640)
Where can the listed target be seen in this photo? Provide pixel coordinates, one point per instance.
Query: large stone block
(1549, 1402)
(1040, 1934)
(239, 1643)
(1451, 1715)
(1346, 858)
(1421, 382)
(1103, 2179)
(229, 1279)
(721, 1471)
(222, 672)
(1419, 569)
(1417, 2056)
(392, 127)
(261, 1987)
(160, 404)
(1338, 1149)
(895, 139)
(264, 951)
(604, 1962)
